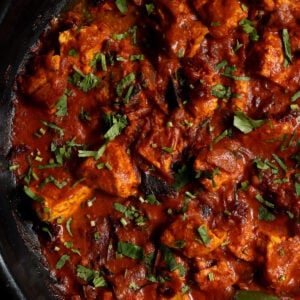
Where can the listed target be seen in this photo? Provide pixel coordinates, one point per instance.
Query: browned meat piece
(161, 147)
(268, 60)
(116, 173)
(285, 13)
(220, 16)
(187, 232)
(217, 277)
(245, 224)
(220, 166)
(49, 81)
(282, 264)
(183, 32)
(60, 202)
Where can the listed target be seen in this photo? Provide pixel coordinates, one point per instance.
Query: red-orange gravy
(159, 143)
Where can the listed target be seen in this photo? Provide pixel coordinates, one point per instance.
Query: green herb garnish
(244, 123)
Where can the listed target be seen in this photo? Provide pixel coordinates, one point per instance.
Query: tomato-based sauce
(159, 142)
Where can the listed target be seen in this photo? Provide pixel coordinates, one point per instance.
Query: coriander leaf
(263, 201)
(202, 230)
(149, 8)
(248, 27)
(62, 105)
(99, 58)
(264, 214)
(89, 82)
(244, 123)
(287, 47)
(221, 65)
(169, 258)
(253, 295)
(84, 82)
(181, 178)
(280, 162)
(123, 83)
(220, 91)
(122, 6)
(90, 275)
(117, 123)
(134, 57)
(73, 52)
(131, 250)
(61, 262)
(32, 195)
(68, 226)
(54, 127)
(295, 97)
(85, 273)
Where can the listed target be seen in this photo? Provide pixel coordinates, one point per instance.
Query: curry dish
(159, 144)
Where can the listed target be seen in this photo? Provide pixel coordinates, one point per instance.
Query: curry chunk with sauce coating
(113, 173)
(60, 202)
(198, 239)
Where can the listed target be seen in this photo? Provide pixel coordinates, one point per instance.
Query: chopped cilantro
(264, 214)
(62, 104)
(90, 276)
(169, 258)
(295, 97)
(205, 239)
(287, 47)
(62, 261)
(149, 8)
(84, 82)
(32, 195)
(123, 83)
(248, 27)
(220, 91)
(244, 123)
(122, 6)
(54, 127)
(131, 250)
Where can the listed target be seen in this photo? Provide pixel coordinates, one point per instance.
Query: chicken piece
(161, 147)
(220, 166)
(217, 277)
(245, 225)
(285, 13)
(183, 33)
(202, 103)
(87, 41)
(49, 81)
(268, 59)
(60, 202)
(198, 239)
(220, 16)
(114, 173)
(282, 264)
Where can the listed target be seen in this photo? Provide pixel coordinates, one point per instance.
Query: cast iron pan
(22, 271)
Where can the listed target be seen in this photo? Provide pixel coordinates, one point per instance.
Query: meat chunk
(216, 277)
(48, 82)
(60, 202)
(183, 33)
(161, 147)
(114, 173)
(86, 42)
(189, 232)
(282, 264)
(268, 60)
(220, 166)
(220, 16)
(245, 225)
